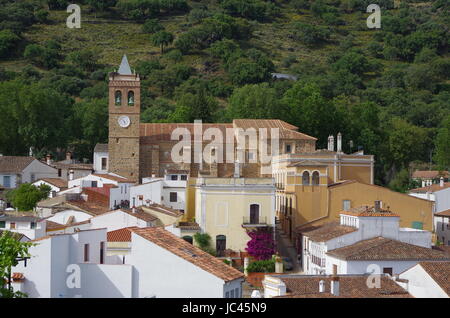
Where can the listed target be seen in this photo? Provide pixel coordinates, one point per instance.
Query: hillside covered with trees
(386, 90)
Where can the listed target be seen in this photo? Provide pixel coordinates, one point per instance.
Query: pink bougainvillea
(262, 245)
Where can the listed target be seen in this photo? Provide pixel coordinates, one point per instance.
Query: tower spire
(124, 68)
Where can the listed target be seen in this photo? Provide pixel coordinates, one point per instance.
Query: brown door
(221, 245)
(254, 214)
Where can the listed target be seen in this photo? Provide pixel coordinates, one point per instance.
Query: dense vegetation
(387, 90)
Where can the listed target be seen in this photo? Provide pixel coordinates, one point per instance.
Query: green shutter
(417, 225)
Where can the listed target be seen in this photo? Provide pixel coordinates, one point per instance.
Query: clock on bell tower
(124, 120)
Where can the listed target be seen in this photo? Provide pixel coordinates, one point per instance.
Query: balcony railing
(254, 222)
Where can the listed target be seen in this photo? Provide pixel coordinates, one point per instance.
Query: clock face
(124, 121)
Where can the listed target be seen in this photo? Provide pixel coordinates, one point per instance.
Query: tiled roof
(380, 248)
(14, 164)
(350, 286)
(113, 178)
(328, 231)
(53, 226)
(74, 166)
(163, 131)
(14, 217)
(440, 272)
(431, 188)
(138, 213)
(120, 235)
(57, 182)
(101, 148)
(17, 277)
(443, 213)
(188, 252)
(88, 207)
(189, 226)
(165, 210)
(286, 130)
(429, 174)
(15, 235)
(366, 210)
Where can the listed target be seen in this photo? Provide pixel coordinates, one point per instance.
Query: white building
(159, 265)
(169, 191)
(15, 170)
(336, 286)
(30, 226)
(442, 226)
(101, 158)
(56, 185)
(345, 247)
(427, 280)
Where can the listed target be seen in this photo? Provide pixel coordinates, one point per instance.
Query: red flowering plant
(262, 245)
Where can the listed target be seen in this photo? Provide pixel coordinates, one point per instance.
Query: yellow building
(226, 208)
(313, 188)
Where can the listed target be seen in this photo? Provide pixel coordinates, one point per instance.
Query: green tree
(152, 26)
(8, 41)
(256, 101)
(85, 59)
(32, 116)
(27, 195)
(11, 250)
(195, 106)
(162, 39)
(442, 155)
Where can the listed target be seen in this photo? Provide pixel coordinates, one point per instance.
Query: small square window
(2, 224)
(288, 148)
(183, 177)
(174, 177)
(173, 197)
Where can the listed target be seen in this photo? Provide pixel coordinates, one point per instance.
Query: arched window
(305, 178)
(130, 98)
(254, 214)
(315, 178)
(118, 98)
(188, 239)
(221, 245)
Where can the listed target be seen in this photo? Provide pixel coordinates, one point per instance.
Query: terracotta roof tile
(432, 188)
(14, 164)
(443, 213)
(440, 272)
(350, 286)
(88, 207)
(327, 231)
(120, 235)
(188, 252)
(57, 182)
(165, 210)
(423, 174)
(380, 248)
(152, 132)
(17, 277)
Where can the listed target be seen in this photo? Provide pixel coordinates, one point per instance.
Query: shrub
(263, 266)
(262, 245)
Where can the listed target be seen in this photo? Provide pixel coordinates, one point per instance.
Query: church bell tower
(124, 121)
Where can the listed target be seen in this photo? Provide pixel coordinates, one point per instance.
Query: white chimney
(331, 143)
(133, 209)
(237, 172)
(49, 159)
(339, 143)
(335, 285)
(441, 182)
(321, 286)
(71, 173)
(68, 155)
